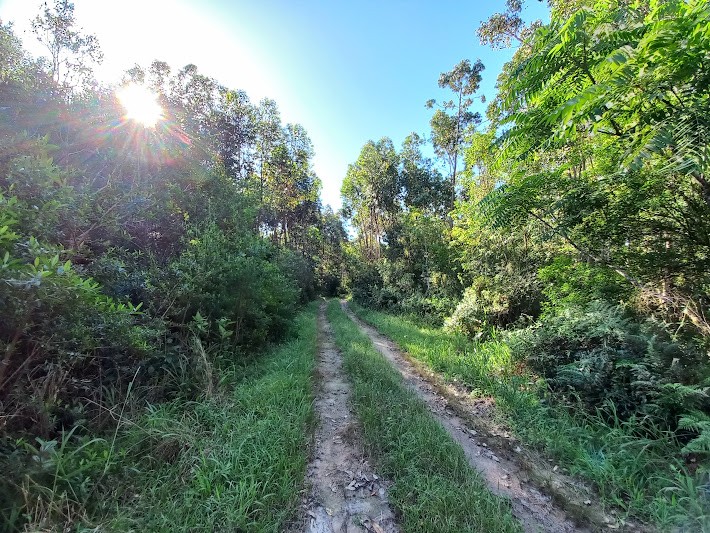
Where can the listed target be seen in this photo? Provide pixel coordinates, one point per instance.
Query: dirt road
(347, 495)
(536, 510)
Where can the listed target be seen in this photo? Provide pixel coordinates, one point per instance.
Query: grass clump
(434, 489)
(232, 462)
(635, 464)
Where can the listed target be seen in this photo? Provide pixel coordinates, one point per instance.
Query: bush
(570, 282)
(229, 278)
(296, 268)
(494, 302)
(366, 283)
(596, 355)
(388, 286)
(63, 341)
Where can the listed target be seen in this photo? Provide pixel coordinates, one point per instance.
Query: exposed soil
(542, 497)
(346, 495)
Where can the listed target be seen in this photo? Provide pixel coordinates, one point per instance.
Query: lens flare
(141, 104)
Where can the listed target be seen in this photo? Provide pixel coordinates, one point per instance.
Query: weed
(233, 461)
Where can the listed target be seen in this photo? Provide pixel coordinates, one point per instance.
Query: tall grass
(641, 472)
(233, 462)
(434, 489)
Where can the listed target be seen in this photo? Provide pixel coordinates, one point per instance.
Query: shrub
(296, 268)
(598, 356)
(228, 278)
(63, 341)
(366, 283)
(494, 302)
(568, 281)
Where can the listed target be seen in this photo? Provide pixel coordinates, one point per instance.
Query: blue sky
(348, 71)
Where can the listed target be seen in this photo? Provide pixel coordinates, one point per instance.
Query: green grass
(434, 489)
(235, 462)
(644, 474)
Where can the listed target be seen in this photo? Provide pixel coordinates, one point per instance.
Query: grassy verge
(643, 474)
(434, 487)
(234, 462)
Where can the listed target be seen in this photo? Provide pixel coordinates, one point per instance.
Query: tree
(236, 140)
(449, 130)
(423, 186)
(72, 54)
(269, 135)
(608, 132)
(370, 193)
(499, 30)
(291, 186)
(22, 81)
(330, 238)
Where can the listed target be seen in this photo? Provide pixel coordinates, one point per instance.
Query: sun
(141, 104)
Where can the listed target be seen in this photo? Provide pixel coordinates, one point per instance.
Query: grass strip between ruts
(434, 489)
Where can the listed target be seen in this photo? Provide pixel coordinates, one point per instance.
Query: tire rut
(535, 510)
(346, 495)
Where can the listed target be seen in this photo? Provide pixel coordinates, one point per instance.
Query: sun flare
(141, 104)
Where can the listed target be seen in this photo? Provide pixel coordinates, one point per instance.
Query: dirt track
(504, 476)
(347, 495)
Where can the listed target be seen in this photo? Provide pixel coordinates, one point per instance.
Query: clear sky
(348, 71)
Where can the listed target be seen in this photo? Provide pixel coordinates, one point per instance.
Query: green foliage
(607, 127)
(329, 254)
(393, 286)
(234, 279)
(499, 30)
(423, 186)
(609, 363)
(62, 475)
(72, 54)
(62, 340)
(501, 273)
(133, 261)
(491, 302)
(451, 123)
(401, 259)
(8, 221)
(233, 462)
(370, 191)
(579, 245)
(568, 283)
(699, 423)
(75, 480)
(19, 73)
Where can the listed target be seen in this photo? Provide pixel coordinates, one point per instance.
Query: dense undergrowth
(232, 458)
(434, 489)
(636, 462)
